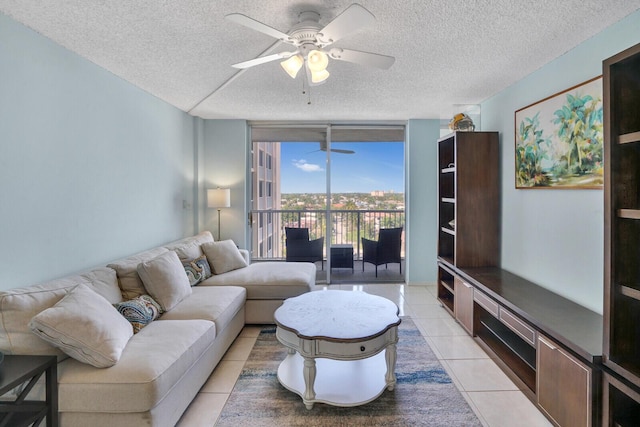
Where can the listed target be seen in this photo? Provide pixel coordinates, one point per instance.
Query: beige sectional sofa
(162, 367)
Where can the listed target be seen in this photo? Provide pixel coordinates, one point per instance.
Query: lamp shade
(293, 65)
(319, 76)
(317, 60)
(219, 198)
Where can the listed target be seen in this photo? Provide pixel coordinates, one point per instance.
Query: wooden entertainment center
(550, 346)
(578, 367)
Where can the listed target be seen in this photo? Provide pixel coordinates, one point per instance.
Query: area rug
(424, 394)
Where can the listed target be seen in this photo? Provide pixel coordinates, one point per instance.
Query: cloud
(306, 167)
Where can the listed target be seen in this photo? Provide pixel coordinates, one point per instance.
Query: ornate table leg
(390, 355)
(309, 373)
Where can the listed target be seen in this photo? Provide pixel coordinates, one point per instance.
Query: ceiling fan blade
(263, 59)
(363, 58)
(352, 19)
(241, 19)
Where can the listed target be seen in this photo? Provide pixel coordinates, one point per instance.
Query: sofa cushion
(139, 311)
(128, 278)
(269, 280)
(85, 326)
(197, 269)
(19, 305)
(165, 279)
(189, 248)
(153, 361)
(216, 303)
(223, 256)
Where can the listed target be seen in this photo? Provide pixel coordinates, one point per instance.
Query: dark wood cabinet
(621, 80)
(469, 199)
(548, 345)
(464, 304)
(468, 206)
(564, 385)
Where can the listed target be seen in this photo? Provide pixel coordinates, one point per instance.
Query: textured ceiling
(447, 52)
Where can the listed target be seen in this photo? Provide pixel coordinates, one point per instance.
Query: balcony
(345, 227)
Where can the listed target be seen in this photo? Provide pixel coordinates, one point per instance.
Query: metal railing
(345, 227)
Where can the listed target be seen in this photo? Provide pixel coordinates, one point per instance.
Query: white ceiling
(448, 53)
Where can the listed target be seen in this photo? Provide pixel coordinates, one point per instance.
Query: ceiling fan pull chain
(306, 88)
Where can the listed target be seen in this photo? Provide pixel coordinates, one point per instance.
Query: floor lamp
(219, 198)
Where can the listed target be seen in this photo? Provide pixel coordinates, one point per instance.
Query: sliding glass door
(340, 183)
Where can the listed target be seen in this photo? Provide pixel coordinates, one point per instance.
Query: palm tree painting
(559, 140)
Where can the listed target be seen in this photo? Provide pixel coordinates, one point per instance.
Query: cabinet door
(564, 385)
(464, 304)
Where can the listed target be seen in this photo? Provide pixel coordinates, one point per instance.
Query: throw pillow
(84, 325)
(165, 279)
(223, 256)
(197, 270)
(139, 311)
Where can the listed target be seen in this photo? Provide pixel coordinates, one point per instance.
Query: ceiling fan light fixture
(317, 61)
(319, 76)
(293, 65)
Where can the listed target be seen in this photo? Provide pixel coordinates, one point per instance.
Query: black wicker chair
(385, 250)
(300, 248)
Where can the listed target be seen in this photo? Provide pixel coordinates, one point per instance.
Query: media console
(549, 346)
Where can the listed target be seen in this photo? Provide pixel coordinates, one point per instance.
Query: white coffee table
(335, 341)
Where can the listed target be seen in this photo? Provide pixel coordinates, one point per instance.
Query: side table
(15, 370)
(342, 256)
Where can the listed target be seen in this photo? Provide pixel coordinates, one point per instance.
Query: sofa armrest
(245, 255)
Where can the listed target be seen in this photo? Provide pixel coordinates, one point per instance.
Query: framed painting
(559, 140)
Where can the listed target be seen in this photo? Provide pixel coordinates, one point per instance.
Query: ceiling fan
(311, 41)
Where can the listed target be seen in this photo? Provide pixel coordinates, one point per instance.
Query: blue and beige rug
(423, 396)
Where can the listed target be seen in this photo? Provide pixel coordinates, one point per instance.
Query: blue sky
(374, 166)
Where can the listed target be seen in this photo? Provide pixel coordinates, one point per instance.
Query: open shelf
(449, 231)
(622, 403)
(629, 138)
(630, 292)
(629, 213)
(624, 349)
(446, 288)
(516, 353)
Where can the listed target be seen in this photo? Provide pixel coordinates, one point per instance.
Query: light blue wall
(421, 188)
(555, 237)
(225, 164)
(91, 167)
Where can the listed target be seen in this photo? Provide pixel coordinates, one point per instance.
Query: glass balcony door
(339, 189)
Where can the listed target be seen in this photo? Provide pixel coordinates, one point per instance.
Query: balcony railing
(345, 227)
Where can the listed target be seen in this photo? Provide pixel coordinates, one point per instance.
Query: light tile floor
(490, 393)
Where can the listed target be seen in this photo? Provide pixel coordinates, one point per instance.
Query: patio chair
(385, 250)
(300, 248)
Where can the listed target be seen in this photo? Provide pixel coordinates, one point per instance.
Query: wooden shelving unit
(621, 80)
(468, 206)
